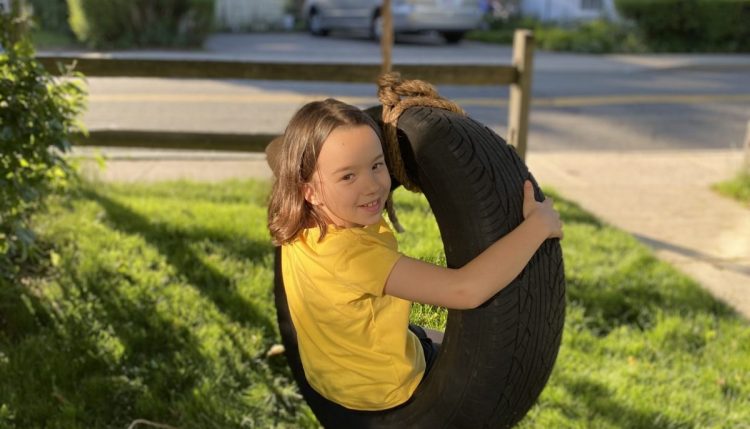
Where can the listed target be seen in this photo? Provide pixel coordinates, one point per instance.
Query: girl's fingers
(528, 191)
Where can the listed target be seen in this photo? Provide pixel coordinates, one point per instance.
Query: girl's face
(350, 184)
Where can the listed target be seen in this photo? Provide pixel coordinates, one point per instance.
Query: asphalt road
(580, 102)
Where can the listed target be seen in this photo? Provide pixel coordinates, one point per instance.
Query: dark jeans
(429, 347)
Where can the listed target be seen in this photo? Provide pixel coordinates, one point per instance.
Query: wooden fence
(518, 76)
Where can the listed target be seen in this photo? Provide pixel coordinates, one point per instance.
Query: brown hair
(295, 162)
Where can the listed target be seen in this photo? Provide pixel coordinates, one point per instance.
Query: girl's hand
(543, 213)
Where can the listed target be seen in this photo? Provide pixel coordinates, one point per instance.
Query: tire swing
(495, 359)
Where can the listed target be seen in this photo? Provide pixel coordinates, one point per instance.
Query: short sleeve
(367, 260)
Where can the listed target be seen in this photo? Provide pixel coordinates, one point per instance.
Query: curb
(225, 142)
(460, 74)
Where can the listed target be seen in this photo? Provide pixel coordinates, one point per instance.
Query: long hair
(288, 211)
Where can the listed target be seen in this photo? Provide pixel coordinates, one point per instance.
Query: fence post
(520, 91)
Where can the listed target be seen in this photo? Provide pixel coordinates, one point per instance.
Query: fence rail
(325, 72)
(517, 76)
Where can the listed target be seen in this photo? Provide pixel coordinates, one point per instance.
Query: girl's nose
(373, 185)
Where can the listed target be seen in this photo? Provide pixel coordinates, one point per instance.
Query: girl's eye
(348, 177)
(378, 165)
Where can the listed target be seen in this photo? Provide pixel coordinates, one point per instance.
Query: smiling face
(350, 184)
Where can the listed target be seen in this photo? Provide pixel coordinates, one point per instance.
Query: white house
(569, 10)
(237, 15)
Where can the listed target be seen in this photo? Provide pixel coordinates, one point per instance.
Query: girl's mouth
(372, 206)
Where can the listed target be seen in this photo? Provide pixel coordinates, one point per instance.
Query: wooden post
(520, 91)
(386, 37)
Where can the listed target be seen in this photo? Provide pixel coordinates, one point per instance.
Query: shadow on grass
(175, 246)
(600, 401)
(96, 356)
(279, 402)
(685, 251)
(623, 301)
(60, 368)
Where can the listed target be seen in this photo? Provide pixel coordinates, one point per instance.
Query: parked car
(451, 18)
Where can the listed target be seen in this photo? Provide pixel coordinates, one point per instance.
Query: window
(591, 4)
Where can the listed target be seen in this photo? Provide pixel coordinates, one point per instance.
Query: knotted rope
(391, 89)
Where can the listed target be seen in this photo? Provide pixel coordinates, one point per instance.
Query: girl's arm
(485, 275)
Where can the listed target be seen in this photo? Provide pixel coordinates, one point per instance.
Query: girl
(348, 288)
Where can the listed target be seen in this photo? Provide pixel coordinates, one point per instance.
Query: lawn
(737, 187)
(156, 304)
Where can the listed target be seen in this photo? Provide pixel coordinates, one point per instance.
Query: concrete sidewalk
(661, 197)
(664, 199)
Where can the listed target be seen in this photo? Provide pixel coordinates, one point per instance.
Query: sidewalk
(661, 197)
(664, 199)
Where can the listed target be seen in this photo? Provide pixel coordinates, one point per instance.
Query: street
(580, 102)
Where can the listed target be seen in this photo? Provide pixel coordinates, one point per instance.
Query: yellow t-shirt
(354, 341)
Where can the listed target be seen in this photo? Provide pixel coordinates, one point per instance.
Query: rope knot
(397, 95)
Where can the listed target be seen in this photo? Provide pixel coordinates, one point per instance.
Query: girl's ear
(310, 194)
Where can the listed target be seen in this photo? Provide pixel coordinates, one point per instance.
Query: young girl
(348, 288)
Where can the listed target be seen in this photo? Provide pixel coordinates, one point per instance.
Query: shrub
(37, 114)
(127, 23)
(51, 15)
(598, 36)
(691, 25)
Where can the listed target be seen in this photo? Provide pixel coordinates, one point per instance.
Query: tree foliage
(691, 25)
(37, 115)
(128, 23)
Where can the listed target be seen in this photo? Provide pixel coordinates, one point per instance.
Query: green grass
(737, 188)
(156, 303)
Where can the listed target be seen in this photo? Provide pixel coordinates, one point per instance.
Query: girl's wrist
(538, 227)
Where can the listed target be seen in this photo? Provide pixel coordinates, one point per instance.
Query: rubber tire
(496, 359)
(453, 37)
(319, 31)
(374, 23)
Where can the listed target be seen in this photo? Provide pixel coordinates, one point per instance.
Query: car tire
(453, 37)
(376, 27)
(496, 359)
(315, 24)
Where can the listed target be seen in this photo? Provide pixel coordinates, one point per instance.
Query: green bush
(691, 25)
(37, 114)
(138, 23)
(51, 15)
(598, 36)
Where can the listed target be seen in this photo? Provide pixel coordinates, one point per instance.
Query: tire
(453, 37)
(495, 359)
(315, 24)
(376, 27)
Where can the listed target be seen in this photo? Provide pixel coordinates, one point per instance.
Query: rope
(386, 36)
(391, 93)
